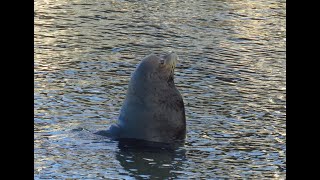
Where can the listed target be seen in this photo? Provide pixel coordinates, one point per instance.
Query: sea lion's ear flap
(161, 61)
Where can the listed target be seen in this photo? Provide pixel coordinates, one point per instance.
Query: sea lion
(153, 109)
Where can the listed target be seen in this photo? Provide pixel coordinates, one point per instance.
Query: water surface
(232, 76)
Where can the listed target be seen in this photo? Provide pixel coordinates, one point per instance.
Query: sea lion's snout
(171, 59)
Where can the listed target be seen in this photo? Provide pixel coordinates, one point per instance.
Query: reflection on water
(150, 162)
(231, 73)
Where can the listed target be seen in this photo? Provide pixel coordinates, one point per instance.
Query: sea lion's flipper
(113, 131)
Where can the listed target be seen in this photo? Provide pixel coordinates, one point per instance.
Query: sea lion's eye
(161, 61)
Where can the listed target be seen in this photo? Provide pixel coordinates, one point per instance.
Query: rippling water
(232, 75)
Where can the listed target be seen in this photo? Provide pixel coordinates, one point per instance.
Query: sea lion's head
(155, 69)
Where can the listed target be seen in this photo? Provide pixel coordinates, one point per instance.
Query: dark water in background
(232, 75)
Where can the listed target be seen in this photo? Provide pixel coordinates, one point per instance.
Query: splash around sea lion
(153, 109)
